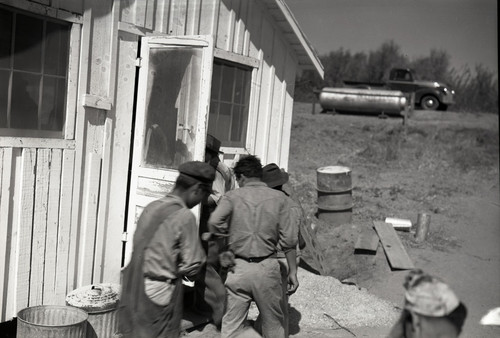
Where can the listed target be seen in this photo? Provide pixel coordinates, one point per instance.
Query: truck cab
(429, 95)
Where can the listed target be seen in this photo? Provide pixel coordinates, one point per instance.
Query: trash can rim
(67, 307)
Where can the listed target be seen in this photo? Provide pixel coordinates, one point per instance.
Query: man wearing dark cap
(166, 249)
(256, 218)
(276, 178)
(431, 309)
(210, 297)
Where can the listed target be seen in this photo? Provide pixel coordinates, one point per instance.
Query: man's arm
(218, 221)
(192, 255)
(291, 259)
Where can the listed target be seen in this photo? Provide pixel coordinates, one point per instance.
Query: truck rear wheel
(429, 102)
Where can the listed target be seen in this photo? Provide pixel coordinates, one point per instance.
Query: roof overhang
(307, 56)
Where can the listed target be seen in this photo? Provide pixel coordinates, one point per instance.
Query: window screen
(228, 118)
(34, 55)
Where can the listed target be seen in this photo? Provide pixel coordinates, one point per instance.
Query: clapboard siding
(64, 201)
(35, 227)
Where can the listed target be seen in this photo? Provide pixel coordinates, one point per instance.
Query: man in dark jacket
(166, 249)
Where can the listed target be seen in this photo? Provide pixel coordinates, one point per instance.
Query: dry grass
(397, 170)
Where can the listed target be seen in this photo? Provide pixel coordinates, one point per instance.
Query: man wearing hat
(276, 178)
(166, 248)
(431, 309)
(257, 220)
(210, 297)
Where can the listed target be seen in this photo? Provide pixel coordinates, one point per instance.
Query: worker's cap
(213, 144)
(199, 171)
(273, 176)
(427, 295)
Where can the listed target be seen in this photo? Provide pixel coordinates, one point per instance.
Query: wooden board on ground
(394, 249)
(367, 242)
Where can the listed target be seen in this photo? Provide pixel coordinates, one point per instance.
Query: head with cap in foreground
(194, 183)
(431, 309)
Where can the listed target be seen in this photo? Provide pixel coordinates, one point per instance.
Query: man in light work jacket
(166, 248)
(275, 178)
(256, 218)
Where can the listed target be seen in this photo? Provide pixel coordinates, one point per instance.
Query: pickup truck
(429, 95)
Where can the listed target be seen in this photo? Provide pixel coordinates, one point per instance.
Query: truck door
(402, 79)
(171, 117)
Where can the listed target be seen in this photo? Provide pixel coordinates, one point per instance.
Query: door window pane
(228, 118)
(172, 97)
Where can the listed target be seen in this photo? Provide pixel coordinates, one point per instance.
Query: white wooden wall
(244, 28)
(63, 203)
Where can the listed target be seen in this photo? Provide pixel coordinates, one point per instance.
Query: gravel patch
(324, 302)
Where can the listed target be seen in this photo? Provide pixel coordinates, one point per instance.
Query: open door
(173, 99)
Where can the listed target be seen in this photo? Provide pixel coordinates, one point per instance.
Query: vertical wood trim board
(5, 226)
(65, 225)
(55, 166)
(89, 220)
(25, 217)
(39, 226)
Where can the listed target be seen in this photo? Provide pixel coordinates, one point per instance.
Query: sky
(466, 29)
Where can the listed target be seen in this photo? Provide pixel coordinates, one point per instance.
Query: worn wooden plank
(49, 291)
(39, 227)
(209, 16)
(240, 13)
(225, 24)
(25, 227)
(140, 13)
(289, 86)
(275, 131)
(394, 249)
(193, 17)
(72, 85)
(5, 226)
(149, 22)
(26, 142)
(65, 226)
(89, 219)
(367, 242)
(265, 99)
(120, 156)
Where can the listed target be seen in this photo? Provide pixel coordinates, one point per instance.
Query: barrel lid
(95, 297)
(334, 169)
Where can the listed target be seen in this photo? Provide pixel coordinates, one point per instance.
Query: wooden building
(101, 100)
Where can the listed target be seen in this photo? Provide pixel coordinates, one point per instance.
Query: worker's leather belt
(160, 278)
(256, 259)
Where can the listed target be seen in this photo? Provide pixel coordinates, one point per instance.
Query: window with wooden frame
(229, 103)
(34, 54)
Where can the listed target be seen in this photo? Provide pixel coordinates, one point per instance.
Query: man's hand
(293, 283)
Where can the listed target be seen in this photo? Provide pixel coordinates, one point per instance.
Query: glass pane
(56, 49)
(236, 126)
(227, 83)
(216, 81)
(24, 111)
(239, 86)
(28, 43)
(172, 98)
(4, 91)
(52, 111)
(5, 38)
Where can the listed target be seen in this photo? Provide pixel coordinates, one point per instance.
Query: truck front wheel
(429, 102)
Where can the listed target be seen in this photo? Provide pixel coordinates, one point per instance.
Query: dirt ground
(445, 164)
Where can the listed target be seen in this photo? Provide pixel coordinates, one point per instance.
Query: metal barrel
(362, 100)
(334, 186)
(100, 301)
(51, 321)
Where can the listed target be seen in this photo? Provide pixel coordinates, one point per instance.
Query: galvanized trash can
(100, 301)
(51, 321)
